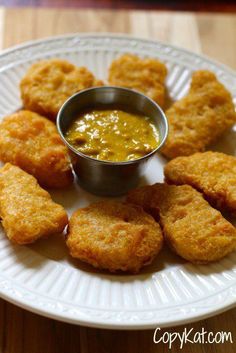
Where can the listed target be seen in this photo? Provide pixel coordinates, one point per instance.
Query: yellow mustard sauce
(113, 135)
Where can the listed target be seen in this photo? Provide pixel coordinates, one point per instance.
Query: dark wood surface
(174, 5)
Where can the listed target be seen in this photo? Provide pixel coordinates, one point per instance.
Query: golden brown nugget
(32, 142)
(27, 211)
(192, 228)
(212, 173)
(114, 236)
(198, 119)
(144, 75)
(49, 83)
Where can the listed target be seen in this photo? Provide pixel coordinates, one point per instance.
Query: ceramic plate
(44, 279)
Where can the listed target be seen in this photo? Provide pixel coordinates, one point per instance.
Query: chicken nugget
(199, 118)
(32, 142)
(49, 83)
(192, 228)
(212, 173)
(27, 211)
(114, 236)
(144, 75)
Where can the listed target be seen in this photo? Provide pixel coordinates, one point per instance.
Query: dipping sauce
(113, 135)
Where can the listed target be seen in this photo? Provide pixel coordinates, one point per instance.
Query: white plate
(45, 280)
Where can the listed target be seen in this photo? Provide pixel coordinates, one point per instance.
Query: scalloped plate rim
(30, 43)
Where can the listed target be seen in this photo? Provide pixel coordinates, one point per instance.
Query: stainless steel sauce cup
(108, 178)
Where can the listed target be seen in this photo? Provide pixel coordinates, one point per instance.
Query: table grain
(177, 5)
(211, 34)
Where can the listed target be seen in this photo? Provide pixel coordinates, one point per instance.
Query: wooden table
(177, 5)
(213, 35)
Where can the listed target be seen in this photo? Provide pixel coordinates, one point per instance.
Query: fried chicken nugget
(49, 83)
(27, 211)
(192, 228)
(144, 75)
(212, 173)
(114, 236)
(32, 142)
(200, 118)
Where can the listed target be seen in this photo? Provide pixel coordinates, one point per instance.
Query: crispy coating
(49, 83)
(199, 118)
(144, 75)
(32, 142)
(192, 228)
(212, 173)
(114, 236)
(27, 211)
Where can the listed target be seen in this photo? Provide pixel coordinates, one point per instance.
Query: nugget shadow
(51, 248)
(23, 258)
(163, 159)
(169, 101)
(226, 143)
(163, 260)
(67, 197)
(118, 276)
(75, 197)
(143, 181)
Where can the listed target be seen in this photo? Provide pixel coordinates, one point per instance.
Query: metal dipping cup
(106, 178)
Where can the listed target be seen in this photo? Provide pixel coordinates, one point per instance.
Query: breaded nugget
(27, 211)
(32, 142)
(49, 83)
(192, 228)
(200, 118)
(114, 236)
(144, 75)
(212, 173)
